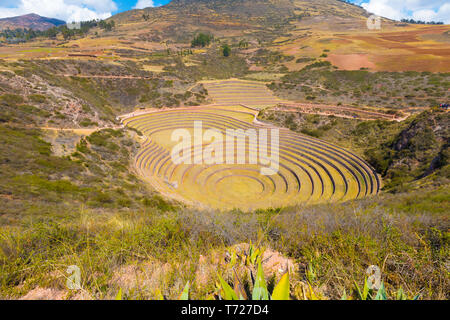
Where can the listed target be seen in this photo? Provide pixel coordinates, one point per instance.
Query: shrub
(226, 50)
(11, 99)
(37, 98)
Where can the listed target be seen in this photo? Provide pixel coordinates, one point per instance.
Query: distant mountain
(30, 21)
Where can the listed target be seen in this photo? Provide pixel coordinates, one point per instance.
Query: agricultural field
(310, 170)
(349, 45)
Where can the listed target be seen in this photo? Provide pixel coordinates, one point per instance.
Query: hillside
(29, 21)
(87, 177)
(330, 29)
(271, 38)
(262, 20)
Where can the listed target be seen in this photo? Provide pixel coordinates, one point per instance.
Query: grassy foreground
(146, 253)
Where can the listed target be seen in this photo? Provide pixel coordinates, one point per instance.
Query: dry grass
(155, 251)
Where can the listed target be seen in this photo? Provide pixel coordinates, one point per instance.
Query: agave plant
(252, 260)
(369, 294)
(260, 290)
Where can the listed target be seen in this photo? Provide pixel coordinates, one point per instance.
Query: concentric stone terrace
(310, 170)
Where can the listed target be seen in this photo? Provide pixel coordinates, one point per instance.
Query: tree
(201, 40)
(108, 26)
(22, 35)
(226, 50)
(52, 32)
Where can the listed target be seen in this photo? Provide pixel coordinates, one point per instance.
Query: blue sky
(76, 10)
(130, 4)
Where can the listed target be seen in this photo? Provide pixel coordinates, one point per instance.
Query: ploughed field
(309, 170)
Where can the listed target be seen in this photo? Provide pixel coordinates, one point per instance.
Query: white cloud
(141, 4)
(427, 10)
(443, 14)
(68, 10)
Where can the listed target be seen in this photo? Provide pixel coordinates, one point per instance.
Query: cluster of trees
(18, 35)
(202, 40)
(412, 21)
(108, 26)
(67, 33)
(23, 35)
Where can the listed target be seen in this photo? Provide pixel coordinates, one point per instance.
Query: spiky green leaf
(401, 294)
(365, 292)
(358, 291)
(260, 291)
(228, 292)
(119, 294)
(281, 290)
(185, 294)
(381, 294)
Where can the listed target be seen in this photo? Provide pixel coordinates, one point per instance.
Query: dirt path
(104, 76)
(337, 111)
(79, 131)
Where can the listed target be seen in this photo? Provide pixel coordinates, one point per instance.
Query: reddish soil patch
(351, 61)
(256, 68)
(419, 55)
(408, 40)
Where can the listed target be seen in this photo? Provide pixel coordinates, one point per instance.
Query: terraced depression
(235, 92)
(310, 170)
